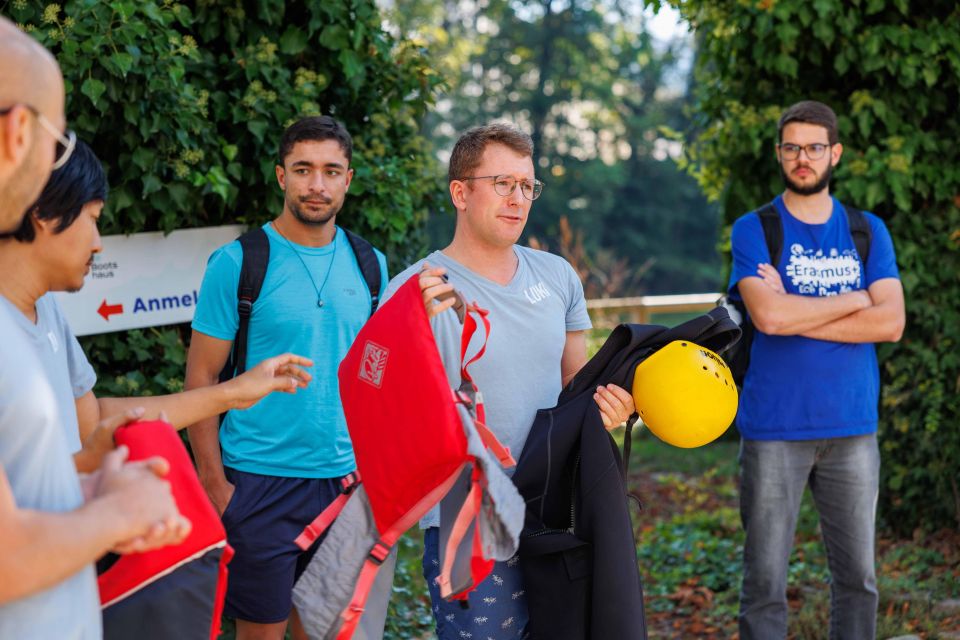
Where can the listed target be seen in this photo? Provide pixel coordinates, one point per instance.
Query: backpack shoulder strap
(860, 231)
(253, 271)
(369, 266)
(772, 231)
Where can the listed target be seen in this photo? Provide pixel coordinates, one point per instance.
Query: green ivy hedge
(185, 104)
(891, 70)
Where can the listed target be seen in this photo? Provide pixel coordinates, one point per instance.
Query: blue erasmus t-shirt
(799, 388)
(301, 435)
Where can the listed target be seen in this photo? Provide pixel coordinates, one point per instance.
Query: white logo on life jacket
(537, 292)
(373, 363)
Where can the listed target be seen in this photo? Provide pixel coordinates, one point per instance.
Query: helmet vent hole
(704, 368)
(716, 375)
(683, 344)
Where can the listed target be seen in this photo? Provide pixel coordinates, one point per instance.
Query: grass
(689, 552)
(690, 545)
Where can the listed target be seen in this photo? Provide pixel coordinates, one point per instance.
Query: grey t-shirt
(34, 455)
(63, 361)
(529, 319)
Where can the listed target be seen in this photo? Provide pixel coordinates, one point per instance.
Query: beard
(809, 190)
(316, 218)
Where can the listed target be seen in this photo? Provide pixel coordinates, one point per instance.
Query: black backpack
(253, 271)
(737, 355)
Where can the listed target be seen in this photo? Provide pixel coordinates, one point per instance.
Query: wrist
(211, 475)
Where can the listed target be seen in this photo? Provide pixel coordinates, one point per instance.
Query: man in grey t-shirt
(537, 340)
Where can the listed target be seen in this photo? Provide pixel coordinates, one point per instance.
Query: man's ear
(835, 152)
(457, 195)
(41, 226)
(16, 136)
(281, 177)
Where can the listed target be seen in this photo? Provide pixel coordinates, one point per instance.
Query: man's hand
(281, 373)
(616, 405)
(771, 277)
(219, 490)
(142, 499)
(100, 441)
(435, 290)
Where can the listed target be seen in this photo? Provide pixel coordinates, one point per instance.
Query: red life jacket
(175, 591)
(411, 447)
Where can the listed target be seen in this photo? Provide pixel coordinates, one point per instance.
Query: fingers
(114, 460)
(615, 405)
(157, 465)
(770, 276)
(173, 530)
(436, 292)
(286, 360)
(110, 424)
(299, 377)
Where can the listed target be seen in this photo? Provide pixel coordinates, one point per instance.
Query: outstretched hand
(616, 405)
(281, 373)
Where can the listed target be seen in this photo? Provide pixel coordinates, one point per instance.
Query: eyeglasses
(505, 185)
(66, 141)
(814, 151)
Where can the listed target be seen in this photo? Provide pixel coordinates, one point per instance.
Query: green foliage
(890, 69)
(690, 546)
(158, 351)
(409, 615)
(185, 104)
(598, 95)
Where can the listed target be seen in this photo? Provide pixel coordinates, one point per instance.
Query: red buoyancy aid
(411, 447)
(176, 591)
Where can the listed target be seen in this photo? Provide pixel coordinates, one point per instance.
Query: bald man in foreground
(54, 524)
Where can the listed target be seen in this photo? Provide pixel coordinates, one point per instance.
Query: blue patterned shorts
(497, 609)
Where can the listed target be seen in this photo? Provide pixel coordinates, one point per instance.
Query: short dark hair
(468, 152)
(317, 128)
(810, 112)
(73, 185)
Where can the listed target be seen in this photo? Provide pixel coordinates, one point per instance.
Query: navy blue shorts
(263, 518)
(497, 608)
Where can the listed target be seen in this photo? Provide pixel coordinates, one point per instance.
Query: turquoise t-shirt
(301, 435)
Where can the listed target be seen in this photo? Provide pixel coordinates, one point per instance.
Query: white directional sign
(143, 280)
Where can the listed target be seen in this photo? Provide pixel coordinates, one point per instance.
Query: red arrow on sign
(107, 310)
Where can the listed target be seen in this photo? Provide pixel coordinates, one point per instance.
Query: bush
(891, 70)
(185, 104)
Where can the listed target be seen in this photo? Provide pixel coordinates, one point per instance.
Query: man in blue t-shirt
(808, 408)
(282, 459)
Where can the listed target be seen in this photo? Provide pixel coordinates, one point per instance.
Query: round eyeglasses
(505, 185)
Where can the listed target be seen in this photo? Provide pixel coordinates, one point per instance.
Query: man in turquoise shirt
(283, 458)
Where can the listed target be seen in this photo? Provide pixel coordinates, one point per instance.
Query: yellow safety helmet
(685, 394)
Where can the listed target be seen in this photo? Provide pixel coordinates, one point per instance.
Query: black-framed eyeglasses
(505, 185)
(66, 141)
(814, 151)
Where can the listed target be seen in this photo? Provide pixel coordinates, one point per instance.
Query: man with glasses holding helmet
(53, 525)
(808, 408)
(537, 343)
